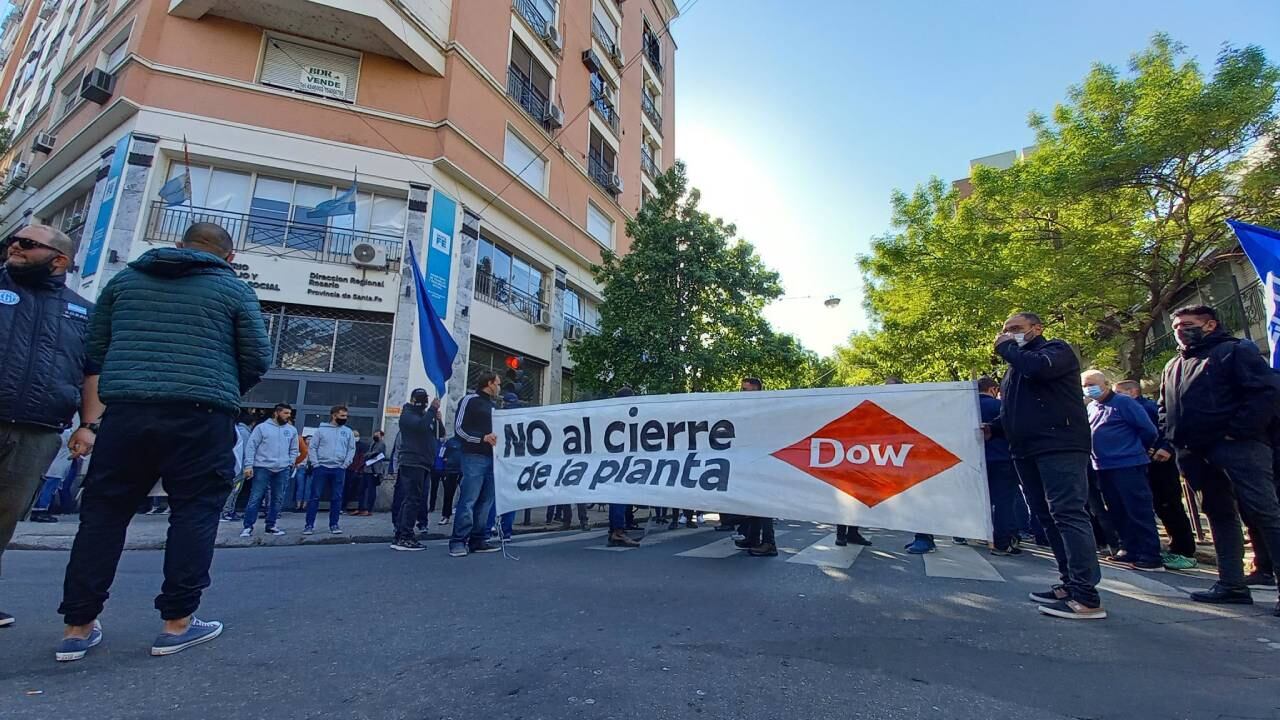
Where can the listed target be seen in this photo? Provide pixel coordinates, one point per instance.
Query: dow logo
(870, 454)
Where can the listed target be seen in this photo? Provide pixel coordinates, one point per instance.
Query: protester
(846, 534)
(333, 447)
(1166, 488)
(45, 325)
(446, 472)
(1045, 423)
(418, 444)
(180, 339)
(269, 459)
(1262, 574)
(473, 424)
(1217, 400)
(243, 423)
(758, 537)
(617, 512)
(1122, 436)
(354, 482)
(302, 473)
(1002, 478)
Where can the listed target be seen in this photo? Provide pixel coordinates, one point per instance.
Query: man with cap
(45, 325)
(418, 443)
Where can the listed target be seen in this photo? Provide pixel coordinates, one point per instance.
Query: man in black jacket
(44, 368)
(418, 444)
(1217, 399)
(473, 424)
(1044, 419)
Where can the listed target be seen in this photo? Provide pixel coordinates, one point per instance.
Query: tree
(682, 310)
(6, 133)
(1119, 207)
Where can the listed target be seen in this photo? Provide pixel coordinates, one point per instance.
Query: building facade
(508, 141)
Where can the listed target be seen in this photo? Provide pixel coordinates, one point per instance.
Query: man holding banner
(473, 424)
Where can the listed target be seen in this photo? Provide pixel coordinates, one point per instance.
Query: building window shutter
(310, 70)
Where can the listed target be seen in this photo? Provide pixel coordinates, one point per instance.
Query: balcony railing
(647, 164)
(261, 235)
(581, 327)
(650, 109)
(601, 172)
(1238, 314)
(601, 33)
(498, 292)
(653, 51)
(535, 104)
(601, 102)
(531, 15)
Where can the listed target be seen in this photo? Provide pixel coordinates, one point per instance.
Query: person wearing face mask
(1122, 434)
(181, 339)
(418, 444)
(45, 376)
(1043, 419)
(1217, 400)
(333, 446)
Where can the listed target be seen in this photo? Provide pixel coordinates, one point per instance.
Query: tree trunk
(1134, 361)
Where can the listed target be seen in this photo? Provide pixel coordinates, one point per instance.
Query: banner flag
(1262, 245)
(437, 345)
(343, 204)
(899, 457)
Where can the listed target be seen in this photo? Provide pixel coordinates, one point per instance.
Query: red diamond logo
(869, 454)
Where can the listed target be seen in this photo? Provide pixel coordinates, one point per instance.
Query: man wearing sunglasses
(44, 368)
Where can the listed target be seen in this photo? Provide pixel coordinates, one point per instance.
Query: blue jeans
(322, 479)
(1002, 481)
(264, 479)
(45, 499)
(1132, 508)
(302, 485)
(475, 500)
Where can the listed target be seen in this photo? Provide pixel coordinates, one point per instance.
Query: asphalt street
(683, 627)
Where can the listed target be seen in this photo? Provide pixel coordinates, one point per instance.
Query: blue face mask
(1093, 392)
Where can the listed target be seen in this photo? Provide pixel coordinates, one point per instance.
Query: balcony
(498, 292)
(412, 30)
(650, 109)
(653, 52)
(1238, 314)
(647, 164)
(260, 235)
(533, 16)
(601, 34)
(575, 327)
(601, 102)
(602, 173)
(535, 104)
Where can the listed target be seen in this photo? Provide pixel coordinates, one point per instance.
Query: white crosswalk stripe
(657, 538)
(1131, 582)
(557, 539)
(825, 553)
(959, 562)
(721, 548)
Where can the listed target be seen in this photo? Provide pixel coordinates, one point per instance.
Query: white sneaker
(247, 532)
(275, 531)
(445, 520)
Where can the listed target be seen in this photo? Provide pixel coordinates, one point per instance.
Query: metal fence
(651, 110)
(535, 104)
(601, 172)
(531, 15)
(603, 105)
(498, 292)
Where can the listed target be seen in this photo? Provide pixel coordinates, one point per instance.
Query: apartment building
(509, 141)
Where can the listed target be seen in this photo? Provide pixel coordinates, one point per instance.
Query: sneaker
(1178, 562)
(273, 530)
(744, 544)
(335, 530)
(6, 619)
(506, 538)
(920, 547)
(584, 527)
(198, 632)
(1073, 610)
(763, 550)
(457, 550)
(1147, 565)
(1260, 579)
(484, 547)
(445, 520)
(1055, 594)
(75, 648)
(1026, 537)
(841, 542)
(1220, 594)
(247, 532)
(308, 530)
(226, 517)
(1010, 549)
(960, 540)
(618, 538)
(1121, 558)
(43, 517)
(407, 545)
(856, 538)
(691, 523)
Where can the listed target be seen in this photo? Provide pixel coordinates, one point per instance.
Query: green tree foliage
(1119, 207)
(682, 309)
(6, 133)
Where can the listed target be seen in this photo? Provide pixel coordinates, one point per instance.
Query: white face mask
(1020, 338)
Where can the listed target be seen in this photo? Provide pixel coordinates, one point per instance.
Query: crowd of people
(153, 388)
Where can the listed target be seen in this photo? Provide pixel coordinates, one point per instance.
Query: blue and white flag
(344, 204)
(437, 345)
(178, 190)
(1262, 245)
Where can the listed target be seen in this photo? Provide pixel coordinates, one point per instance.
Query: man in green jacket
(179, 338)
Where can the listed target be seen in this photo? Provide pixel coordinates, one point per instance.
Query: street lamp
(831, 301)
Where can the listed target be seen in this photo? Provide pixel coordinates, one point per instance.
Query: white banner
(901, 457)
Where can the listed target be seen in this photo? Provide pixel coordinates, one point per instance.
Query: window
(546, 8)
(97, 11)
(114, 53)
(525, 380)
(525, 162)
(328, 340)
(70, 218)
(599, 225)
(603, 99)
(528, 82)
(508, 281)
(604, 30)
(53, 49)
(602, 162)
(580, 310)
(310, 70)
(69, 99)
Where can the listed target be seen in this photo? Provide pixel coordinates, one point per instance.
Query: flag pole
(186, 162)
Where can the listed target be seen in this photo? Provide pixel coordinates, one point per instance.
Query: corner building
(441, 108)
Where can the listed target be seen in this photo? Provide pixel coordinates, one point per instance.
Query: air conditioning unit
(18, 173)
(590, 60)
(43, 143)
(553, 39)
(555, 116)
(616, 182)
(366, 254)
(544, 319)
(572, 332)
(98, 86)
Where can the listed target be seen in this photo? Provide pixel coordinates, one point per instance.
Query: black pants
(1234, 478)
(450, 482)
(759, 531)
(1058, 491)
(188, 447)
(410, 483)
(1166, 492)
(564, 513)
(1104, 528)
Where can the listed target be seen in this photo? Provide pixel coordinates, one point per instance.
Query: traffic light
(514, 361)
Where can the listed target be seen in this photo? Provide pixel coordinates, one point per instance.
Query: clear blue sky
(799, 117)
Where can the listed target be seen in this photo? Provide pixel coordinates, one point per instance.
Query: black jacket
(1220, 386)
(1042, 407)
(418, 441)
(473, 421)
(44, 330)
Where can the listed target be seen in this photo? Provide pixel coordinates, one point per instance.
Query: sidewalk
(147, 532)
